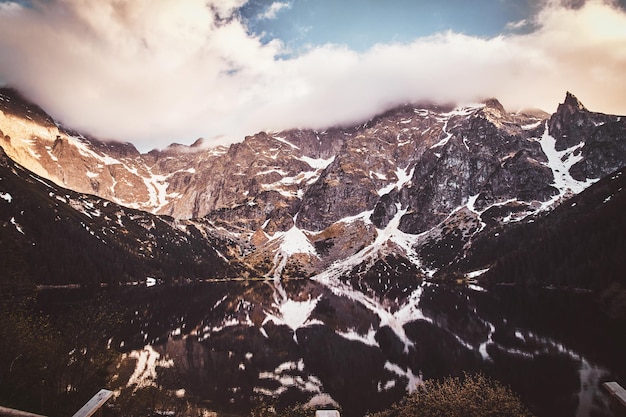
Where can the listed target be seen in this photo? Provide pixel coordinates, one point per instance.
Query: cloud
(158, 71)
(273, 9)
(520, 24)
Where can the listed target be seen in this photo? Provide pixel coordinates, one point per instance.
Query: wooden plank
(327, 413)
(616, 391)
(94, 404)
(9, 412)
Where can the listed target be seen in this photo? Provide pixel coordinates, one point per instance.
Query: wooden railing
(86, 410)
(9, 412)
(616, 391)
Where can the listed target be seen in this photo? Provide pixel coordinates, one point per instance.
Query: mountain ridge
(419, 183)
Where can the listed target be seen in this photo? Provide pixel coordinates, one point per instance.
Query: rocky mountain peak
(571, 103)
(570, 108)
(495, 112)
(200, 144)
(493, 103)
(573, 124)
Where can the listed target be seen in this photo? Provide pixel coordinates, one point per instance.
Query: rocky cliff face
(420, 181)
(52, 235)
(596, 139)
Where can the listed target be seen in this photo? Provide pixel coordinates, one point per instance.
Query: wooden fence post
(94, 403)
(616, 391)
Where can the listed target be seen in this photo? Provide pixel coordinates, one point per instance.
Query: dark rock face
(602, 138)
(385, 210)
(571, 123)
(342, 191)
(578, 244)
(603, 151)
(491, 158)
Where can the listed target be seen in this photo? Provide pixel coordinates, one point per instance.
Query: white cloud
(157, 71)
(10, 7)
(520, 24)
(273, 9)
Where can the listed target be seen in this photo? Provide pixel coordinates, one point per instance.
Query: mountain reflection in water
(232, 343)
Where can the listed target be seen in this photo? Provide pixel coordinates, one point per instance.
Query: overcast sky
(154, 72)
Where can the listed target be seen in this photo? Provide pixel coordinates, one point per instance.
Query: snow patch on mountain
(531, 126)
(404, 177)
(560, 162)
(84, 150)
(318, 164)
(446, 117)
(157, 189)
(29, 143)
(295, 241)
(293, 186)
(283, 140)
(292, 242)
(390, 236)
(446, 138)
(465, 110)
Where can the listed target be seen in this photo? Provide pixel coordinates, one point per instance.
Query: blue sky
(361, 24)
(154, 72)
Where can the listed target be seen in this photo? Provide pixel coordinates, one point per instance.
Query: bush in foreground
(471, 396)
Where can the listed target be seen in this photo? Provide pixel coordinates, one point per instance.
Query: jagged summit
(199, 143)
(495, 104)
(599, 139)
(495, 112)
(571, 104)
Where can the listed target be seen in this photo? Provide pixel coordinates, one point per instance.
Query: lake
(363, 346)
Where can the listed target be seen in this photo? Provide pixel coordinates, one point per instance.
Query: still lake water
(232, 343)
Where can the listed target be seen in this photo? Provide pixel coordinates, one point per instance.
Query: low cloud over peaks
(159, 71)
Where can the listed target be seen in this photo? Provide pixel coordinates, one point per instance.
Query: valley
(340, 267)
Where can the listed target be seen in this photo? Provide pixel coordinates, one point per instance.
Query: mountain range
(420, 191)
